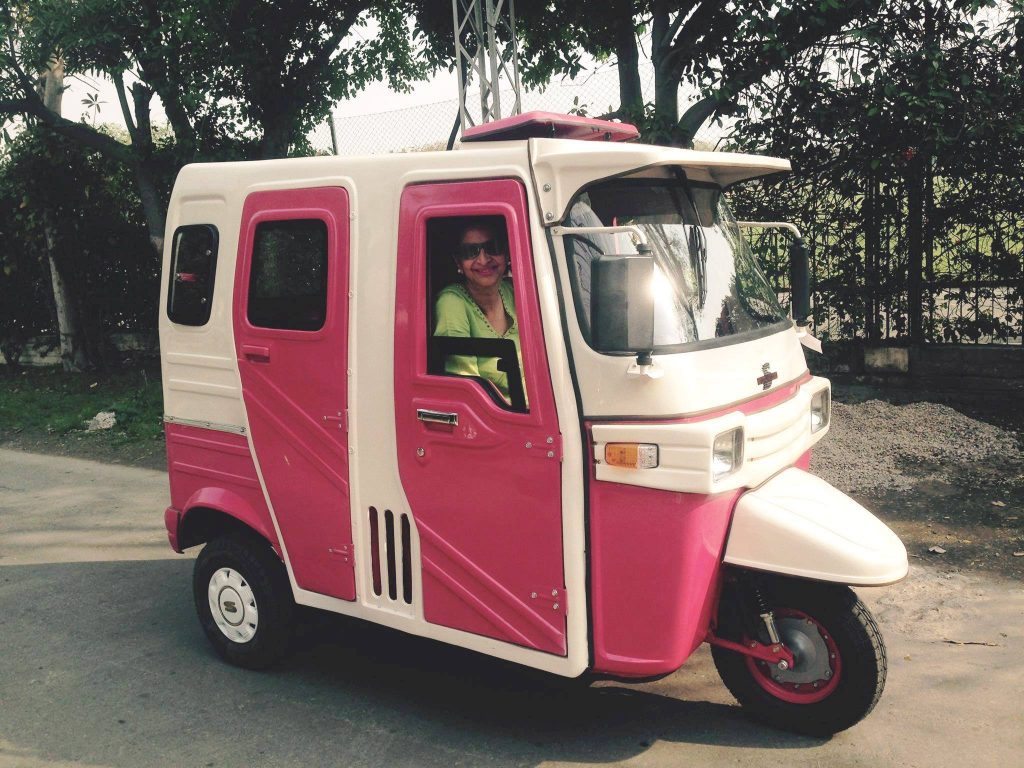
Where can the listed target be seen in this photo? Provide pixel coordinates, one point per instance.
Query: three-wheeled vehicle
(635, 485)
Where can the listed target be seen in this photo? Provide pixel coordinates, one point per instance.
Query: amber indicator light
(631, 455)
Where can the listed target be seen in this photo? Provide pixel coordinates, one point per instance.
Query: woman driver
(482, 305)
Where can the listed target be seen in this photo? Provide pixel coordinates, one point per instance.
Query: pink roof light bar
(551, 125)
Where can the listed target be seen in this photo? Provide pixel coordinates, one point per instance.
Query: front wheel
(839, 658)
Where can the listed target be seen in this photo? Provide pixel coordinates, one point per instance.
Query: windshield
(706, 282)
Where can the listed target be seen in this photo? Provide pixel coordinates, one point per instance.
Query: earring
(460, 270)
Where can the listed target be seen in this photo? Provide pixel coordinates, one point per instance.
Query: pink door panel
(295, 387)
(485, 493)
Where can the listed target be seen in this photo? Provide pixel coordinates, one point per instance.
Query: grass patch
(47, 401)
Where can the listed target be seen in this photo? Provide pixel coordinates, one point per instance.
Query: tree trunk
(73, 356)
(152, 206)
(277, 139)
(69, 328)
(631, 97)
(666, 76)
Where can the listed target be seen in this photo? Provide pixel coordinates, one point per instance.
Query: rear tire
(243, 600)
(839, 660)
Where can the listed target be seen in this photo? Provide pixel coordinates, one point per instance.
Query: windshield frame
(674, 175)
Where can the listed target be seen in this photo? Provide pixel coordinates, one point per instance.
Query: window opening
(193, 268)
(288, 279)
(473, 320)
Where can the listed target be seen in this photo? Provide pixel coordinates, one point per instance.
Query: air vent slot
(375, 550)
(389, 528)
(391, 555)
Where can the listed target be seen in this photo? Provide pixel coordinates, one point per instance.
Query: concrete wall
(984, 369)
(44, 350)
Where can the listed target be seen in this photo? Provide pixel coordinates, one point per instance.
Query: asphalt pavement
(102, 663)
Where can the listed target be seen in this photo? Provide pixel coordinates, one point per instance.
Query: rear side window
(288, 281)
(193, 268)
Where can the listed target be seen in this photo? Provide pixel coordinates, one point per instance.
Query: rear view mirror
(799, 281)
(622, 302)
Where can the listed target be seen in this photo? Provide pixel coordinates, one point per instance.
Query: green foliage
(48, 401)
(924, 102)
(255, 75)
(51, 186)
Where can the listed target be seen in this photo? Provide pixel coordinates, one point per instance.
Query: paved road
(102, 663)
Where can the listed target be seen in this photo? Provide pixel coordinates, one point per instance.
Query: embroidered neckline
(476, 308)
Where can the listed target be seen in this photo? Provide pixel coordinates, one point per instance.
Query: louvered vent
(391, 555)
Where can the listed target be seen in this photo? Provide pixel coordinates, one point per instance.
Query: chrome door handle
(437, 417)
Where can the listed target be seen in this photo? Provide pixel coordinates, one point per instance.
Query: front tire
(243, 600)
(839, 659)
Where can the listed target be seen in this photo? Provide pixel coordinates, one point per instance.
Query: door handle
(437, 417)
(256, 354)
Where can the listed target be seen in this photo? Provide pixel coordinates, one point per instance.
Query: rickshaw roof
(563, 167)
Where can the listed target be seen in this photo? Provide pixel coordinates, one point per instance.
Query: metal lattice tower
(485, 48)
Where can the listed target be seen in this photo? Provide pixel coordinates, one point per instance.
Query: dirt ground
(964, 500)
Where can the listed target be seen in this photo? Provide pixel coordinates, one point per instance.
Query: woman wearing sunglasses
(482, 305)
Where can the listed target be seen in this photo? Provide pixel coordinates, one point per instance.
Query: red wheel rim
(807, 692)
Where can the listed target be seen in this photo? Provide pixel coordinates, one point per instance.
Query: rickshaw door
(482, 480)
(291, 337)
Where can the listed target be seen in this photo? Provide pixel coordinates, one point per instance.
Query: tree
(244, 78)
(906, 133)
(70, 215)
(720, 49)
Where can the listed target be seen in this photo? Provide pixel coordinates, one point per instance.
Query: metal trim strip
(235, 430)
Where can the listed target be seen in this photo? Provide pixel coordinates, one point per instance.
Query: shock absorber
(768, 619)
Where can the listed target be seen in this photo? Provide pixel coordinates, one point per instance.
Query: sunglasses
(469, 251)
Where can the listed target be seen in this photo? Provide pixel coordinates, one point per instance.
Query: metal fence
(972, 281)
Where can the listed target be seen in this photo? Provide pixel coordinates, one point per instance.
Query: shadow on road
(104, 663)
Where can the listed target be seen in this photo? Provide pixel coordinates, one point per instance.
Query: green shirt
(458, 315)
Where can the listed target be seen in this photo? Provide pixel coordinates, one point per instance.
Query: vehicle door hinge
(547, 447)
(341, 420)
(549, 599)
(343, 552)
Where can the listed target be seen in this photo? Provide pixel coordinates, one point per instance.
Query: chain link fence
(429, 126)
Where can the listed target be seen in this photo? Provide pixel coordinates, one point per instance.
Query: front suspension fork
(774, 651)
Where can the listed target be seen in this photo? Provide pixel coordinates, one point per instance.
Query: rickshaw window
(193, 270)
(288, 277)
(452, 313)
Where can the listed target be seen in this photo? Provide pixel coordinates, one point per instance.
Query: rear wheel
(243, 600)
(839, 658)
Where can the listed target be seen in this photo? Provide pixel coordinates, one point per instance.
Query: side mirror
(800, 281)
(622, 302)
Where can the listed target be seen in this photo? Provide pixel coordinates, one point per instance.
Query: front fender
(798, 525)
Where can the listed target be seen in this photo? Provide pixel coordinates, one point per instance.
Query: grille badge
(768, 377)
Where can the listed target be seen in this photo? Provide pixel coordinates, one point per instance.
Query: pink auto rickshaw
(623, 478)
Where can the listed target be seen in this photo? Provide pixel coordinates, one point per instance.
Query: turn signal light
(631, 455)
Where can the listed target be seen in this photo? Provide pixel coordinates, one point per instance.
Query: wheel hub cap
(817, 664)
(233, 605)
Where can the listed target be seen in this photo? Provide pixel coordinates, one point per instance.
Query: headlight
(821, 407)
(727, 454)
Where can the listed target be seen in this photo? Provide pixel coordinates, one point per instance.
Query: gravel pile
(870, 444)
